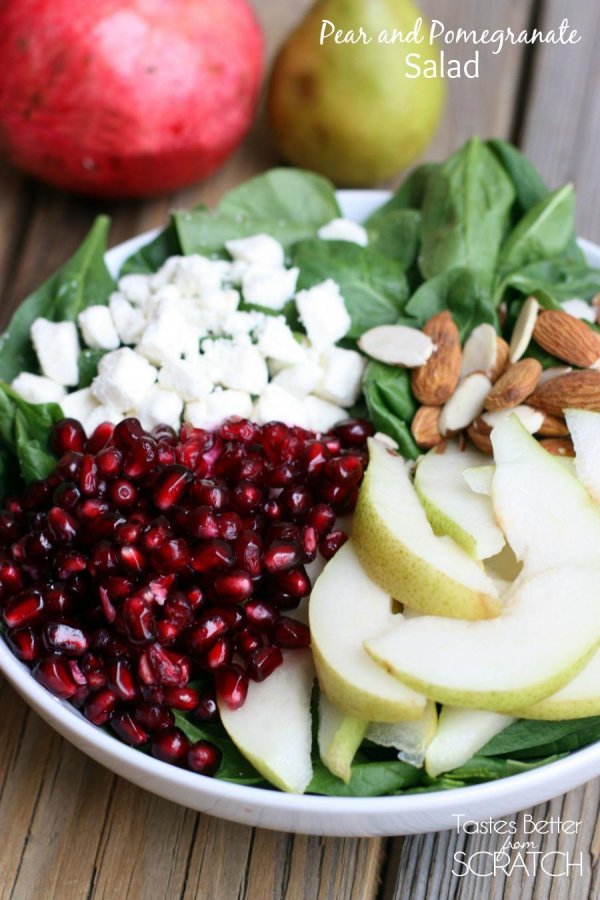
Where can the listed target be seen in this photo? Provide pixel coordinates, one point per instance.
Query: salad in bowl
(304, 504)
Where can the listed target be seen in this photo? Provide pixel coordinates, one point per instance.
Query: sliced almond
(502, 354)
(480, 350)
(515, 385)
(479, 433)
(553, 426)
(397, 345)
(530, 418)
(523, 330)
(568, 338)
(558, 446)
(553, 372)
(435, 382)
(465, 404)
(425, 427)
(580, 390)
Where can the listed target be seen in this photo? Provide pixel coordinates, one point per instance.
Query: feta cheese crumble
(323, 313)
(344, 230)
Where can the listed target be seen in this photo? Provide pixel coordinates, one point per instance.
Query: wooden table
(70, 829)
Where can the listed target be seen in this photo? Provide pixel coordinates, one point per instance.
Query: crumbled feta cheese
(579, 309)
(342, 376)
(159, 407)
(278, 405)
(136, 289)
(276, 341)
(242, 368)
(191, 378)
(98, 329)
(344, 230)
(217, 406)
(323, 313)
(237, 269)
(168, 335)
(129, 321)
(270, 288)
(123, 377)
(79, 405)
(238, 324)
(38, 388)
(301, 379)
(258, 250)
(323, 415)
(99, 415)
(193, 276)
(57, 347)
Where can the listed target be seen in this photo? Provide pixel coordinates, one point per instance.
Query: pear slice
(346, 607)
(480, 479)
(397, 546)
(339, 738)
(410, 739)
(577, 699)
(548, 517)
(273, 729)
(548, 630)
(460, 734)
(451, 506)
(584, 426)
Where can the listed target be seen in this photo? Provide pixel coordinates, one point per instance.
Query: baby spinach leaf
(552, 281)
(149, 258)
(465, 212)
(83, 281)
(390, 404)
(480, 768)
(528, 737)
(373, 286)
(544, 232)
(396, 234)
(529, 185)
(461, 292)
(371, 779)
(25, 430)
(234, 767)
(88, 366)
(411, 192)
(288, 204)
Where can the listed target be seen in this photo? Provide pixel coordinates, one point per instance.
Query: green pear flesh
(480, 478)
(409, 739)
(339, 738)
(273, 729)
(547, 515)
(346, 607)
(584, 427)
(548, 630)
(452, 507)
(577, 699)
(460, 734)
(399, 550)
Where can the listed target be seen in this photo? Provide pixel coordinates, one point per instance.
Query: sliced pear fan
(409, 739)
(339, 738)
(460, 734)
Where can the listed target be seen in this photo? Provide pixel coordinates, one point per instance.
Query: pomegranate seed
(120, 679)
(61, 525)
(166, 454)
(93, 509)
(10, 529)
(109, 462)
(296, 500)
(284, 531)
(167, 632)
(127, 432)
(235, 585)
(234, 429)
(251, 468)
(24, 609)
(322, 518)
(333, 444)
(290, 634)
(88, 476)
(246, 497)
(204, 758)
(344, 470)
(212, 556)
(184, 698)
(25, 643)
(138, 620)
(104, 559)
(315, 458)
(190, 454)
(207, 709)
(165, 433)
(62, 638)
(248, 552)
(157, 533)
(68, 435)
(261, 616)
(281, 556)
(117, 587)
(247, 641)
(154, 717)
(170, 486)
(132, 559)
(69, 467)
(170, 746)
(195, 597)
(172, 556)
(211, 493)
(331, 543)
(310, 543)
(273, 510)
(169, 669)
(232, 685)
(280, 476)
(354, 432)
(263, 661)
(128, 730)
(100, 706)
(141, 457)
(205, 632)
(218, 655)
(294, 582)
(54, 674)
(229, 525)
(127, 533)
(203, 524)
(11, 579)
(123, 493)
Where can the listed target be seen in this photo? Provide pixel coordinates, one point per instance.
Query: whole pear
(348, 110)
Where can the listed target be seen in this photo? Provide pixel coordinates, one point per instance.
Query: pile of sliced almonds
(468, 390)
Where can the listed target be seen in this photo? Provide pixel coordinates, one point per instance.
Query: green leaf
(88, 366)
(149, 258)
(390, 404)
(543, 233)
(529, 185)
(480, 768)
(288, 204)
(396, 234)
(552, 281)
(465, 212)
(411, 192)
(371, 779)
(234, 767)
(461, 292)
(83, 281)
(528, 738)
(25, 430)
(373, 286)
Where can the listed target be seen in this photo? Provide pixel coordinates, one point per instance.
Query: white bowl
(341, 816)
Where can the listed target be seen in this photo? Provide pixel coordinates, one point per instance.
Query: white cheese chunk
(259, 250)
(193, 276)
(190, 378)
(219, 405)
(276, 341)
(301, 379)
(129, 321)
(344, 230)
(57, 347)
(98, 329)
(123, 377)
(136, 289)
(323, 313)
(159, 407)
(270, 288)
(38, 388)
(342, 376)
(99, 415)
(168, 335)
(79, 405)
(279, 405)
(322, 415)
(241, 368)
(580, 309)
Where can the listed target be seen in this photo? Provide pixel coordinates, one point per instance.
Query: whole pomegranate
(123, 98)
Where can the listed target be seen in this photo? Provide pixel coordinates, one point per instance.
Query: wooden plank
(560, 127)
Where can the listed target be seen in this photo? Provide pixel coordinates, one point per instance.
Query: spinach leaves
(149, 258)
(390, 404)
(544, 232)
(25, 434)
(462, 292)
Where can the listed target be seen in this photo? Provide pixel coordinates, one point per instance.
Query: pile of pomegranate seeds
(149, 561)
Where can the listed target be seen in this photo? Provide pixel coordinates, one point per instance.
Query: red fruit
(207, 709)
(100, 706)
(109, 462)
(141, 458)
(246, 497)
(281, 556)
(247, 641)
(24, 609)
(218, 655)
(232, 685)
(321, 517)
(310, 543)
(172, 556)
(235, 429)
(261, 616)
(229, 525)
(100, 438)
(170, 746)
(205, 632)
(128, 730)
(202, 523)
(24, 643)
(62, 638)
(204, 758)
(295, 582)
(332, 542)
(263, 661)
(211, 493)
(354, 432)
(168, 669)
(138, 620)
(132, 559)
(153, 716)
(290, 634)
(316, 455)
(61, 525)
(68, 435)
(344, 470)
(248, 552)
(55, 675)
(120, 679)
(212, 556)
(234, 586)
(170, 486)
(123, 493)
(184, 698)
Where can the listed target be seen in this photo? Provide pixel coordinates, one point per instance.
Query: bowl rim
(577, 767)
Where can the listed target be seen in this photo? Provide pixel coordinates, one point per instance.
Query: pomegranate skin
(126, 99)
